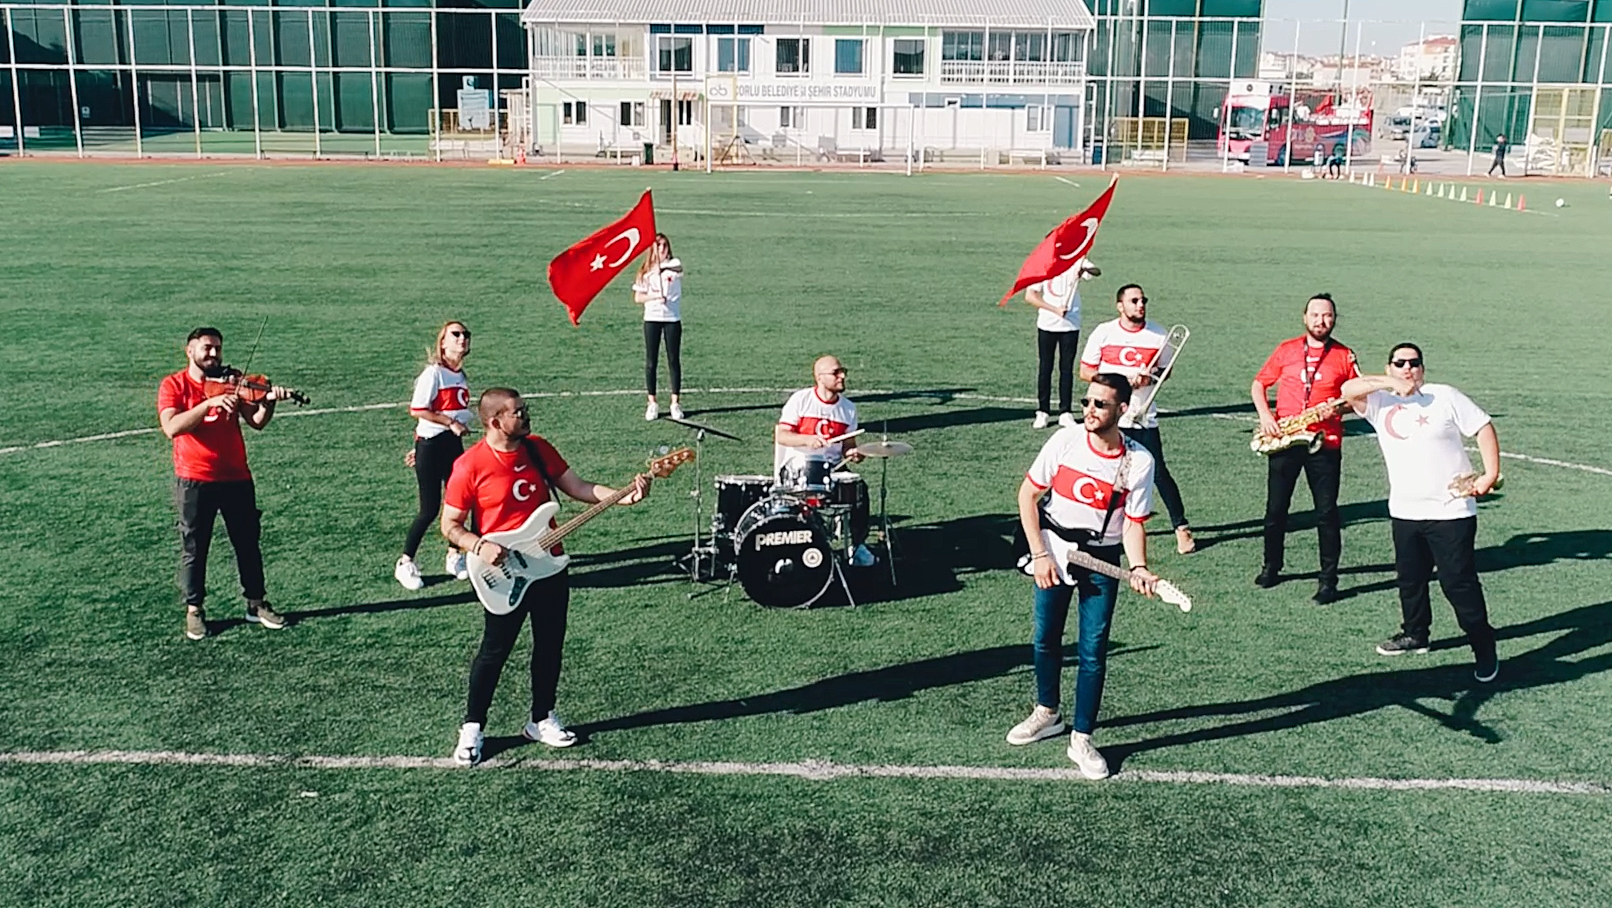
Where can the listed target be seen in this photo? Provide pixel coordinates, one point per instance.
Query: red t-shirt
(1295, 360)
(212, 452)
(502, 489)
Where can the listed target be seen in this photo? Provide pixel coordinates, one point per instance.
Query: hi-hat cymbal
(885, 449)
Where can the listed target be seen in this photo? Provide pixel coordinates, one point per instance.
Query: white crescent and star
(1087, 491)
(516, 489)
(1130, 356)
(1090, 226)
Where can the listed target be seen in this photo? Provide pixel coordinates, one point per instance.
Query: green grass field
(106, 267)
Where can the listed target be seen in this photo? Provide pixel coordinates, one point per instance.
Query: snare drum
(847, 488)
(805, 476)
(734, 495)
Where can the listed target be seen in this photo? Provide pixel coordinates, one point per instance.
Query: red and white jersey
(501, 489)
(808, 414)
(1083, 481)
(440, 389)
(213, 451)
(1116, 347)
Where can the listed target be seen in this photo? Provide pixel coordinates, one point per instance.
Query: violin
(250, 388)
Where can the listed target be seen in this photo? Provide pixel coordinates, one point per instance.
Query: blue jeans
(1096, 616)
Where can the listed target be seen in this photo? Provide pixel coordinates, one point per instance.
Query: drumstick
(852, 434)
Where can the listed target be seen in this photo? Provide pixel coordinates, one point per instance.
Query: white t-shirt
(807, 414)
(1113, 347)
(665, 288)
(1422, 442)
(440, 390)
(1063, 290)
(1082, 481)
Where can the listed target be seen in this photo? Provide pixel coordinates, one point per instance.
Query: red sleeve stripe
(1032, 481)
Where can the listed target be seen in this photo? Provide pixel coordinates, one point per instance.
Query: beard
(212, 368)
(1320, 334)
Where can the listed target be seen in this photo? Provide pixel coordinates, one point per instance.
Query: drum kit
(787, 540)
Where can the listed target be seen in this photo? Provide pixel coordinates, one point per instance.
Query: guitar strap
(1120, 478)
(543, 471)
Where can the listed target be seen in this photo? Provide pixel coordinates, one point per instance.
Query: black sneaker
(260, 612)
(1268, 577)
(1399, 644)
(1488, 669)
(1327, 593)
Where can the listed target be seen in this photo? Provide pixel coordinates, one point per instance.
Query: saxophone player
(1308, 372)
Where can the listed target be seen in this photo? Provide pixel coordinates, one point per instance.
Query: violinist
(201, 407)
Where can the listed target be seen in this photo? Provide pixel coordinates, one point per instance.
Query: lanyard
(1307, 373)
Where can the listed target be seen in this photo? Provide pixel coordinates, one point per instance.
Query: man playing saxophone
(1308, 372)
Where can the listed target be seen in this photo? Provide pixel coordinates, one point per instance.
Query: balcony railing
(1018, 72)
(617, 68)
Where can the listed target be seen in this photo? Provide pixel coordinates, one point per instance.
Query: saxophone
(1295, 430)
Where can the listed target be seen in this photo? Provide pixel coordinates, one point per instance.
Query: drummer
(809, 442)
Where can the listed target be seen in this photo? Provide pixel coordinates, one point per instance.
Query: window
(962, 45)
(909, 59)
(848, 56)
(725, 121)
(791, 118)
(575, 113)
(604, 45)
(733, 55)
(794, 55)
(674, 54)
(1032, 46)
(864, 118)
(1037, 118)
(632, 113)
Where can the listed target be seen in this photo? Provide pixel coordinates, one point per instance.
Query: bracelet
(1041, 555)
(476, 549)
(1140, 567)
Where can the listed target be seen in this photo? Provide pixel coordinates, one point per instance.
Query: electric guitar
(1066, 552)
(527, 555)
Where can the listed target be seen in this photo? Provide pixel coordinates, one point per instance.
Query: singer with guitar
(500, 482)
(1308, 372)
(1101, 488)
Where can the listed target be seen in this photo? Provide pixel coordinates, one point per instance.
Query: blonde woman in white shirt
(441, 409)
(659, 289)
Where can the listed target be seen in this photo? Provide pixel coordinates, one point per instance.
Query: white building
(808, 79)
(1432, 59)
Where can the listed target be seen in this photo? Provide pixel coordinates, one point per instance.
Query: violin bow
(250, 354)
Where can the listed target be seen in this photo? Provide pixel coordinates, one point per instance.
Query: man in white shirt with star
(1432, 497)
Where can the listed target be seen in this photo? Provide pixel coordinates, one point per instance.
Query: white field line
(1065, 180)
(199, 176)
(553, 174)
(813, 770)
(623, 392)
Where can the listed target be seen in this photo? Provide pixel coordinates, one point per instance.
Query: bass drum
(783, 553)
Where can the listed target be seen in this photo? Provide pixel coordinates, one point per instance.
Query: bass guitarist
(1093, 473)
(500, 482)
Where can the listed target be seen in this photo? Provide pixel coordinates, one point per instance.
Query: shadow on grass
(1522, 550)
(936, 395)
(1580, 630)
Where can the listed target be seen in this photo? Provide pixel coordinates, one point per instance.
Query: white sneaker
(861, 557)
(550, 731)
(468, 751)
(1084, 753)
(652, 412)
(1066, 420)
(1041, 419)
(1042, 723)
(677, 411)
(456, 566)
(408, 573)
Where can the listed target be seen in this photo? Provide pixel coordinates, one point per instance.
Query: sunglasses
(1406, 363)
(518, 413)
(1142, 300)
(463, 334)
(1096, 404)
(835, 372)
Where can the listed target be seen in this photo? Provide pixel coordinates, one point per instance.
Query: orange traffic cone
(1480, 195)
(520, 155)
(1522, 203)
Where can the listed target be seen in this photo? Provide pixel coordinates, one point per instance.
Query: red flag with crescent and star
(579, 273)
(1064, 246)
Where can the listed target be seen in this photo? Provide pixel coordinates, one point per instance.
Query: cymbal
(885, 449)
(700, 427)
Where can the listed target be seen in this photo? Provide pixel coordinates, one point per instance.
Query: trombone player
(1308, 372)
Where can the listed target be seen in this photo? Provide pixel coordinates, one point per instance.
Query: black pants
(1067, 345)
(433, 464)
(673, 333)
(1162, 480)
(199, 503)
(547, 602)
(1501, 164)
(1322, 470)
(1419, 546)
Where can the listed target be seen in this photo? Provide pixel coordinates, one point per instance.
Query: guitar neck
(1097, 564)
(553, 537)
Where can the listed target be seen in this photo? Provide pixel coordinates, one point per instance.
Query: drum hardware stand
(884, 515)
(700, 554)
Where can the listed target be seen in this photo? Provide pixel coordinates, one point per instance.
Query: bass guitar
(527, 555)
(1066, 552)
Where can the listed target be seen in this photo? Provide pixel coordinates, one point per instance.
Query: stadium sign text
(806, 91)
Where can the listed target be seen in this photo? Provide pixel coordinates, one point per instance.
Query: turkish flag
(1064, 245)
(579, 273)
